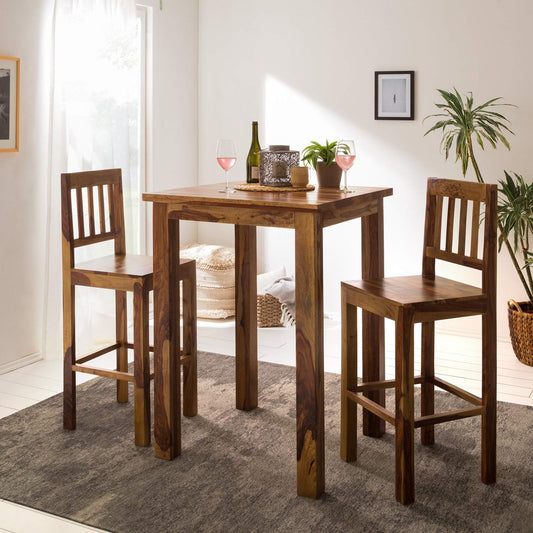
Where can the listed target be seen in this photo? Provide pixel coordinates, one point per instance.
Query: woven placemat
(254, 187)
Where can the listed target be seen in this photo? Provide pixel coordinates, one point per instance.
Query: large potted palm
(515, 216)
(463, 124)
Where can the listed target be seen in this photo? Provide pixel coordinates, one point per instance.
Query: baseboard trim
(19, 363)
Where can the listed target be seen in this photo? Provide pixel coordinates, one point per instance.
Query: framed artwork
(9, 103)
(394, 95)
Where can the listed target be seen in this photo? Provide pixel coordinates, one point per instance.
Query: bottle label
(255, 173)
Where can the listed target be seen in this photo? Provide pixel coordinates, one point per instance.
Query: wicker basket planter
(521, 330)
(268, 311)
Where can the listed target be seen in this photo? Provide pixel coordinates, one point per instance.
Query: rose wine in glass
(226, 157)
(345, 157)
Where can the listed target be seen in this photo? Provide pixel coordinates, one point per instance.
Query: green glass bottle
(252, 161)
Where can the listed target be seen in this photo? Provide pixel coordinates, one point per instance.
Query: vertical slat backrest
(90, 206)
(79, 210)
(457, 195)
(462, 224)
(474, 239)
(449, 224)
(101, 207)
(84, 186)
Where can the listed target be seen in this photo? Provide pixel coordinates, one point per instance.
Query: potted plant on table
(461, 123)
(322, 158)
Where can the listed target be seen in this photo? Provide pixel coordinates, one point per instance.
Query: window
(101, 60)
(101, 90)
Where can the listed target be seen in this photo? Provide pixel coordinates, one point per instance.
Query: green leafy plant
(460, 121)
(515, 217)
(316, 152)
(462, 124)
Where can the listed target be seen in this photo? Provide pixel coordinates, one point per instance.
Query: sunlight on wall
(291, 117)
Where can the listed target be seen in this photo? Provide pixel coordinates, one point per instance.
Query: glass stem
(227, 180)
(345, 181)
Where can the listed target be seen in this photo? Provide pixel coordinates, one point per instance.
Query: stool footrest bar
(385, 384)
(371, 406)
(94, 355)
(439, 418)
(444, 385)
(129, 345)
(104, 372)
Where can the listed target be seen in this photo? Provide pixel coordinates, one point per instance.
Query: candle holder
(275, 165)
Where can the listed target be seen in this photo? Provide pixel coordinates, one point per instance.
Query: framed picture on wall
(9, 103)
(394, 95)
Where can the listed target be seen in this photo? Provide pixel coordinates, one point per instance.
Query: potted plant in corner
(322, 158)
(515, 216)
(461, 122)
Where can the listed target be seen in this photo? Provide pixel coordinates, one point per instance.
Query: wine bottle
(252, 161)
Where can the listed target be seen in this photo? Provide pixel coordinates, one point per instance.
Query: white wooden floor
(458, 360)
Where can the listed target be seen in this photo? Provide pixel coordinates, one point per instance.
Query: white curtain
(94, 125)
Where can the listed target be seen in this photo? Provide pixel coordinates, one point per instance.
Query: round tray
(254, 187)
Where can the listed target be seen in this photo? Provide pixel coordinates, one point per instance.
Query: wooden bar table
(307, 213)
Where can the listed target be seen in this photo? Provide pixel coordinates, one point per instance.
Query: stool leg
(348, 380)
(190, 374)
(373, 334)
(69, 355)
(373, 326)
(141, 365)
(122, 338)
(405, 412)
(427, 407)
(488, 420)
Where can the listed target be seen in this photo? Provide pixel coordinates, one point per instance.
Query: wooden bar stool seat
(425, 299)
(95, 200)
(422, 294)
(124, 266)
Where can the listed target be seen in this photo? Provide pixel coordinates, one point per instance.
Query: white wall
(24, 33)
(174, 149)
(305, 70)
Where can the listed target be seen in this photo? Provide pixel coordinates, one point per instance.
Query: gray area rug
(237, 471)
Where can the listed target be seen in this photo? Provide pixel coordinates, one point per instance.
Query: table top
(317, 200)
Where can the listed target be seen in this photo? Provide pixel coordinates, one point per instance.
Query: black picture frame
(390, 85)
(9, 103)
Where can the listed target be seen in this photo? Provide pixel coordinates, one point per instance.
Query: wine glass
(344, 157)
(226, 157)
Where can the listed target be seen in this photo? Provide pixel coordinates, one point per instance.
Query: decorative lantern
(275, 165)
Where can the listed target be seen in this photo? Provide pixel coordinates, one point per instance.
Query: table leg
(373, 333)
(309, 356)
(246, 317)
(167, 400)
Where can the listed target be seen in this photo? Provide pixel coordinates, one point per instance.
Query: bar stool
(425, 299)
(99, 214)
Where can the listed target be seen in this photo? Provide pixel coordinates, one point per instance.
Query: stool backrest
(464, 247)
(98, 210)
